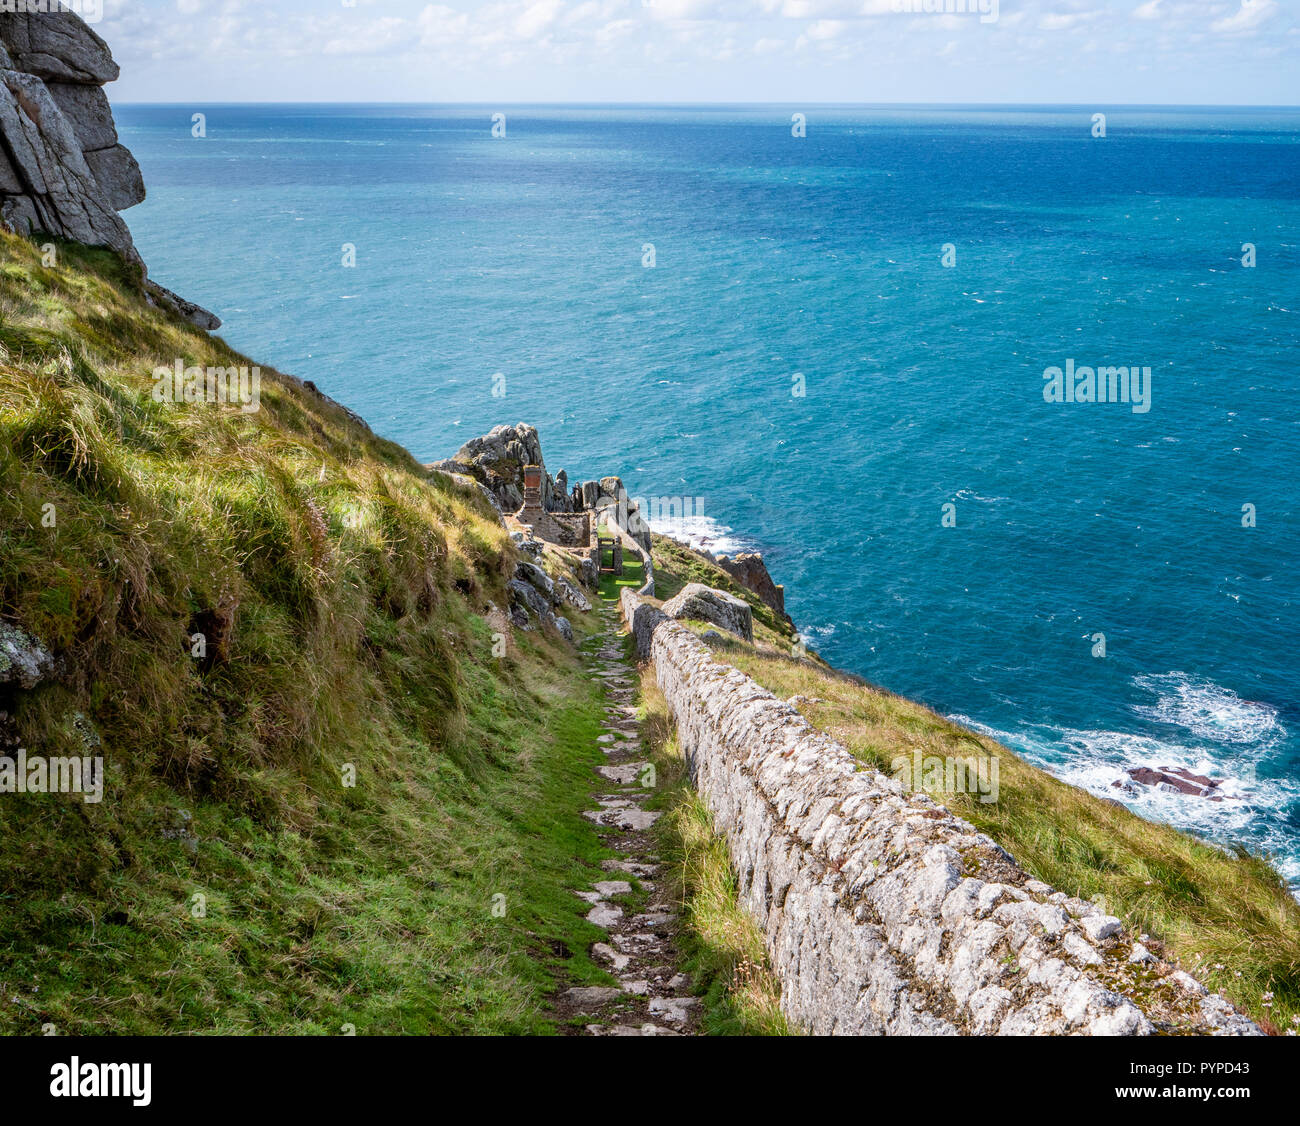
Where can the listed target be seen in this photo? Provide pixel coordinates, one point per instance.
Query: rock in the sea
(1174, 779)
(705, 603)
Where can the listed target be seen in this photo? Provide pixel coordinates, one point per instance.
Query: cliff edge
(63, 171)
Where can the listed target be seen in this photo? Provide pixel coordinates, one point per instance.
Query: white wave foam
(1208, 710)
(703, 533)
(1253, 811)
(971, 494)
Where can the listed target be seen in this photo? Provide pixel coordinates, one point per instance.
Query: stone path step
(652, 997)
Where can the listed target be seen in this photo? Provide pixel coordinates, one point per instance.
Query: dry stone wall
(882, 912)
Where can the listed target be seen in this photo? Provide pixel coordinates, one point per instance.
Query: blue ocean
(832, 348)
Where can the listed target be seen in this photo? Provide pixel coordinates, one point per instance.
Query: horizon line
(782, 103)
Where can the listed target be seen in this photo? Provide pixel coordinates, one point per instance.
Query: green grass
(611, 585)
(345, 597)
(721, 944)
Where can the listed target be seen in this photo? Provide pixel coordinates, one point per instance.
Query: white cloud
(616, 30)
(372, 37)
(441, 26)
(824, 29)
(538, 17)
(684, 9)
(1249, 16)
(1064, 21)
(629, 50)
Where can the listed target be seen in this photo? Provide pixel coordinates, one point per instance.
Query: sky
(1077, 52)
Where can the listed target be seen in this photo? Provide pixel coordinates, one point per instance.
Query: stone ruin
(566, 529)
(507, 463)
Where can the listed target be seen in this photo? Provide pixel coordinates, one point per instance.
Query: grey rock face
(88, 111)
(530, 599)
(62, 171)
(118, 176)
(571, 594)
(23, 660)
(9, 180)
(497, 459)
(882, 912)
(61, 189)
(704, 603)
(532, 573)
(529, 603)
(57, 45)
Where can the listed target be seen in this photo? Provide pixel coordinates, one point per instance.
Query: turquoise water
(821, 258)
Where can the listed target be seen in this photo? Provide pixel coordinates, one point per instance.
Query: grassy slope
(1227, 917)
(357, 589)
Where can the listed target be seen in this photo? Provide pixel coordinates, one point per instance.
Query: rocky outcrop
(749, 570)
(196, 315)
(497, 460)
(535, 595)
(570, 594)
(882, 912)
(609, 503)
(62, 170)
(24, 663)
(706, 604)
